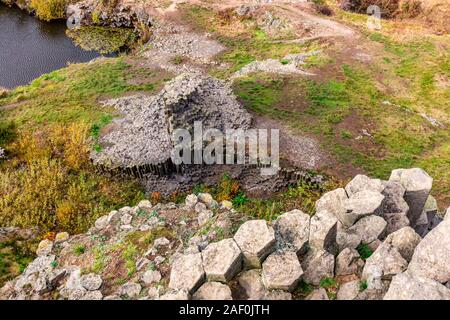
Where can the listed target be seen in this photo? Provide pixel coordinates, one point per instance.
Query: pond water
(30, 48)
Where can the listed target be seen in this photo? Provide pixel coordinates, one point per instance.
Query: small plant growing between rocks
(362, 285)
(79, 249)
(364, 251)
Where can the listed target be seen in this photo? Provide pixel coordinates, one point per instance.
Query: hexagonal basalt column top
(281, 270)
(256, 240)
(187, 273)
(222, 260)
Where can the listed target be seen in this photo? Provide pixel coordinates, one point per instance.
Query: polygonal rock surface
(277, 295)
(405, 240)
(418, 185)
(395, 221)
(93, 295)
(431, 258)
(318, 264)
(91, 281)
(131, 290)
(348, 291)
(348, 262)
(256, 241)
(323, 232)
(222, 260)
(252, 284)
(292, 231)
(333, 202)
(405, 286)
(369, 228)
(187, 273)
(213, 291)
(361, 182)
(318, 294)
(384, 263)
(281, 270)
(347, 238)
(359, 205)
(151, 276)
(175, 295)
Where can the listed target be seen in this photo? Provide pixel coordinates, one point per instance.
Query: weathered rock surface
(361, 182)
(431, 258)
(318, 294)
(405, 286)
(256, 241)
(281, 270)
(317, 264)
(187, 273)
(370, 228)
(222, 260)
(292, 231)
(91, 281)
(417, 184)
(405, 240)
(359, 205)
(252, 284)
(348, 262)
(213, 291)
(349, 290)
(323, 232)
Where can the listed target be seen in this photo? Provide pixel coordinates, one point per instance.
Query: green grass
(364, 251)
(79, 250)
(14, 258)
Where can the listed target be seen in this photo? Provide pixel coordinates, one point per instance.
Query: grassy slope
(49, 181)
(352, 97)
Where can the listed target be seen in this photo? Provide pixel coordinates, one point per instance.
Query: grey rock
(431, 258)
(126, 219)
(256, 241)
(346, 238)
(91, 281)
(349, 290)
(151, 276)
(187, 273)
(204, 216)
(93, 295)
(370, 228)
(323, 232)
(417, 184)
(359, 205)
(292, 231)
(384, 263)
(405, 286)
(44, 248)
(333, 202)
(318, 264)
(405, 240)
(318, 294)
(348, 262)
(361, 182)
(222, 260)
(130, 290)
(102, 222)
(199, 207)
(213, 291)
(281, 270)
(252, 284)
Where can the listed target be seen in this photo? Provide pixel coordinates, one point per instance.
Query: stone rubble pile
(261, 260)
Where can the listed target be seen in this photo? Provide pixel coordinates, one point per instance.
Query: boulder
(208, 200)
(333, 202)
(318, 294)
(191, 201)
(252, 284)
(370, 228)
(405, 240)
(45, 247)
(346, 238)
(281, 270)
(395, 221)
(417, 184)
(361, 182)
(277, 295)
(348, 262)
(187, 273)
(323, 232)
(349, 290)
(292, 231)
(405, 286)
(256, 240)
(175, 295)
(359, 205)
(126, 219)
(199, 207)
(93, 295)
(91, 281)
(130, 290)
(383, 264)
(393, 193)
(150, 277)
(102, 222)
(318, 264)
(431, 258)
(204, 216)
(213, 291)
(222, 260)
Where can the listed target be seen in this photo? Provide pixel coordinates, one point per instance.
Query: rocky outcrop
(163, 257)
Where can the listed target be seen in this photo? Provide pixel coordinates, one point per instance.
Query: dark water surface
(30, 48)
